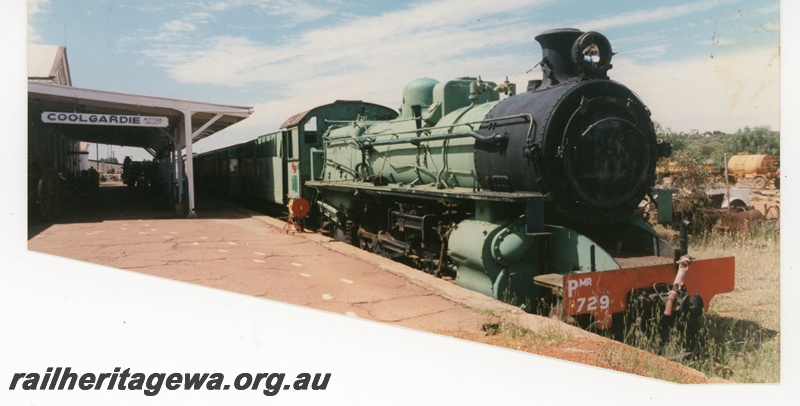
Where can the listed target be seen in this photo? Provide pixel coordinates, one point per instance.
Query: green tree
(682, 144)
(757, 140)
(692, 183)
(678, 141)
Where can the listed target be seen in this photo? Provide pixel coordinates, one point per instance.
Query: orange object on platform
(299, 207)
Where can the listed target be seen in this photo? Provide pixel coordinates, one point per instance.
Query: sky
(698, 65)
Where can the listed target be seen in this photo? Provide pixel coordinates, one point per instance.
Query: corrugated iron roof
(50, 97)
(295, 120)
(42, 61)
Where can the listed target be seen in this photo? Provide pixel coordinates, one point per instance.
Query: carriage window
(268, 146)
(291, 148)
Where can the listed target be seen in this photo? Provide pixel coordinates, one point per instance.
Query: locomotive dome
(418, 92)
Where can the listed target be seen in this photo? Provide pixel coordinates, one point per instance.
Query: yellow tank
(761, 168)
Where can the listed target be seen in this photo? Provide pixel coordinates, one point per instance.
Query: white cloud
(772, 26)
(294, 12)
(654, 15)
(773, 8)
(35, 7)
(178, 25)
(727, 92)
(147, 8)
(430, 36)
(189, 22)
(371, 58)
(717, 40)
(648, 52)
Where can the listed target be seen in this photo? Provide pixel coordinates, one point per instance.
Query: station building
(63, 119)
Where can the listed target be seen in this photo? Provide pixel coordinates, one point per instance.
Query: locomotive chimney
(557, 64)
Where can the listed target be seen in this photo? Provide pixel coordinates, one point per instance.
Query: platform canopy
(86, 116)
(163, 127)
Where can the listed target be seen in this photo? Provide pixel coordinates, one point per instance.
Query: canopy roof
(43, 97)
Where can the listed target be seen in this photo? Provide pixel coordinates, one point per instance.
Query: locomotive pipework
(584, 140)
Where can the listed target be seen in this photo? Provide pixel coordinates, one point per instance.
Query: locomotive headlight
(592, 53)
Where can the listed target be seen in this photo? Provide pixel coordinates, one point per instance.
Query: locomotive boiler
(529, 198)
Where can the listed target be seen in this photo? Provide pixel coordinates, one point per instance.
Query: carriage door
(292, 153)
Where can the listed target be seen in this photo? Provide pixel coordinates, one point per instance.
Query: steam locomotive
(530, 198)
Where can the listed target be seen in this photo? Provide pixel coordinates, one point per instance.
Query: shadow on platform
(115, 201)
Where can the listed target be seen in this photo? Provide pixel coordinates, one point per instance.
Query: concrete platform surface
(235, 249)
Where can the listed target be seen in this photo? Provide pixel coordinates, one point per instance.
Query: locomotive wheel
(370, 224)
(675, 336)
(370, 244)
(642, 324)
(760, 183)
(692, 314)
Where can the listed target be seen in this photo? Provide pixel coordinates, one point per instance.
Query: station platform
(236, 249)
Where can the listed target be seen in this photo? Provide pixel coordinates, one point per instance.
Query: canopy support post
(189, 136)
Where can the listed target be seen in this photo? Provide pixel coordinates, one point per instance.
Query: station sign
(104, 119)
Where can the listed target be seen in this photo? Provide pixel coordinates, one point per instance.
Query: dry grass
(741, 332)
(757, 294)
(743, 327)
(597, 352)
